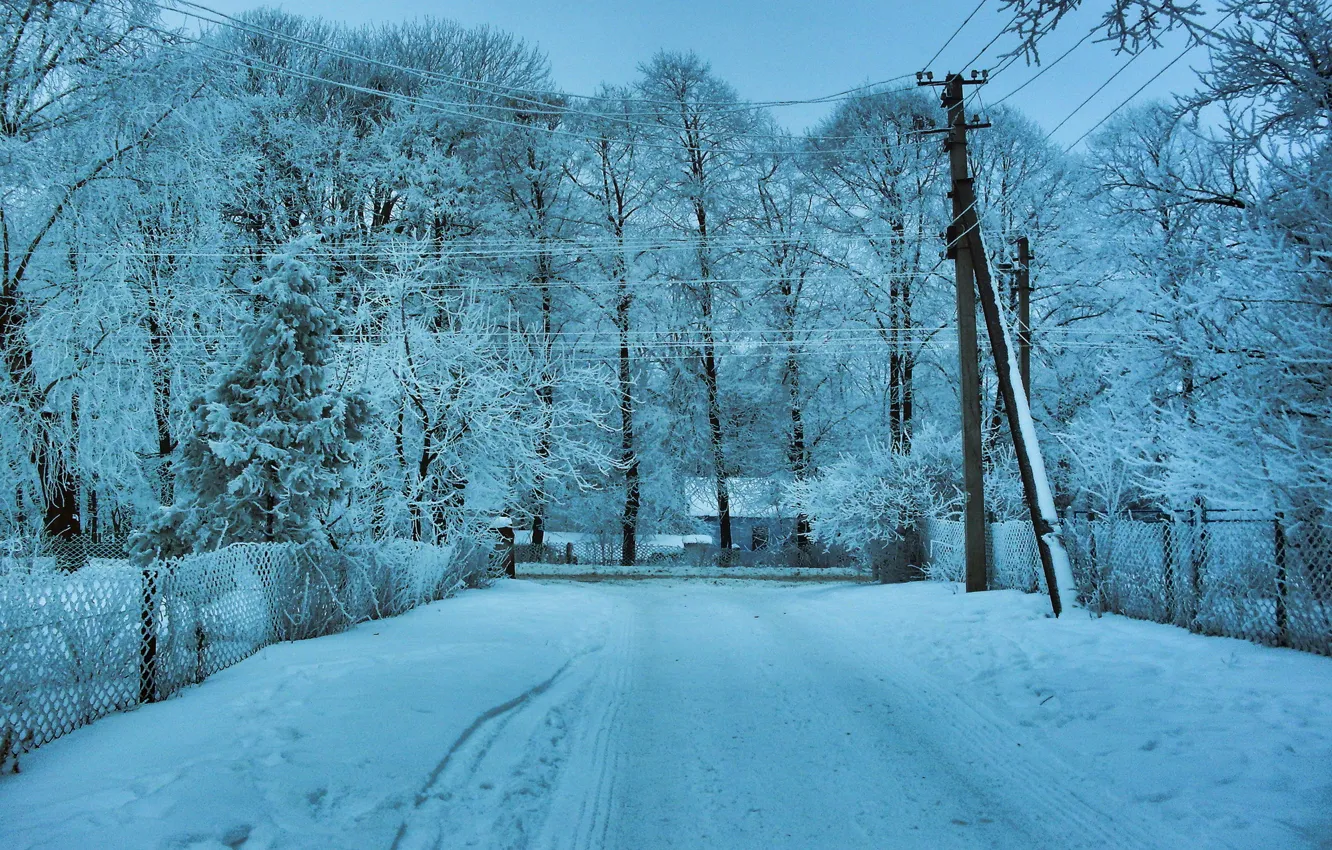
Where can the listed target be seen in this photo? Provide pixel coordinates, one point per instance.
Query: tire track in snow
(527, 762)
(580, 816)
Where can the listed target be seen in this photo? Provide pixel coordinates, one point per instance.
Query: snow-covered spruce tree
(270, 447)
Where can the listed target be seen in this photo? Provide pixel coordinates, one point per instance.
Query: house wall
(779, 531)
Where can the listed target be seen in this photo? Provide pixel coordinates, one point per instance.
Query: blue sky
(780, 49)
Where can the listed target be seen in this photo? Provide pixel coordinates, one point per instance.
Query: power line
(959, 29)
(464, 110)
(520, 94)
(1099, 89)
(1045, 68)
(1187, 49)
(989, 44)
(523, 95)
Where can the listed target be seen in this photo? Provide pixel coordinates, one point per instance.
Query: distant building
(761, 517)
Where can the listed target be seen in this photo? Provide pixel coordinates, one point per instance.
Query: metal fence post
(1279, 548)
(1168, 564)
(506, 535)
(1198, 563)
(148, 634)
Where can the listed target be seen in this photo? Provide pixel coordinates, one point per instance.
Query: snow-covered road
(662, 714)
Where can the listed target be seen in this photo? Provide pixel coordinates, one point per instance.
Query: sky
(784, 49)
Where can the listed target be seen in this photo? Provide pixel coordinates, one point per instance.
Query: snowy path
(698, 715)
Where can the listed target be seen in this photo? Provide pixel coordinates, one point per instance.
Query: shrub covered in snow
(875, 496)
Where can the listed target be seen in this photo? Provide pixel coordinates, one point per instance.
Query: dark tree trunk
(628, 457)
(797, 450)
(718, 448)
(546, 396)
(59, 480)
(901, 364)
(162, 401)
(423, 464)
(715, 432)
(60, 492)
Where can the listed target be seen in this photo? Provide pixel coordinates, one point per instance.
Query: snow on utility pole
(959, 250)
(1031, 466)
(1023, 274)
(1021, 271)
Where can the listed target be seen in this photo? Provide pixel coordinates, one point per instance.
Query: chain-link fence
(1258, 578)
(77, 646)
(63, 553)
(598, 551)
(593, 550)
(1011, 559)
(1261, 579)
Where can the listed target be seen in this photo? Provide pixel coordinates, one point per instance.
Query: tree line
(294, 279)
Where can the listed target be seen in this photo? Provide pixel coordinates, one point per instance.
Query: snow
(696, 714)
(1065, 586)
(560, 538)
(593, 571)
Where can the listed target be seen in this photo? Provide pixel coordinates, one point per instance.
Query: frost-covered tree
(704, 154)
(270, 446)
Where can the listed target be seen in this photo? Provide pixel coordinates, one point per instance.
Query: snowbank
(509, 716)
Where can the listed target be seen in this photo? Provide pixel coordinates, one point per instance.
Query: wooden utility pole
(960, 251)
(1023, 275)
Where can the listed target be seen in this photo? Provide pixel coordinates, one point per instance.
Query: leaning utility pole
(1031, 466)
(1021, 272)
(959, 249)
(1023, 275)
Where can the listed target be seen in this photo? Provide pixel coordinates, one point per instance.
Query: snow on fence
(1259, 579)
(77, 646)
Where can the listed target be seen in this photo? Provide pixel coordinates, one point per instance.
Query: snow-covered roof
(761, 498)
(560, 538)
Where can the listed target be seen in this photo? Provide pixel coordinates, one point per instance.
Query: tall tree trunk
(718, 447)
(56, 482)
(715, 433)
(797, 450)
(423, 464)
(628, 457)
(162, 401)
(546, 397)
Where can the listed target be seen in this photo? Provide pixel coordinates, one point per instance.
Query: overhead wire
(522, 95)
(466, 111)
(1044, 68)
(959, 29)
(519, 93)
(1188, 48)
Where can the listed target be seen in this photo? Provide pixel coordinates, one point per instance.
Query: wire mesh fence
(1011, 559)
(599, 551)
(670, 550)
(77, 646)
(1258, 578)
(63, 553)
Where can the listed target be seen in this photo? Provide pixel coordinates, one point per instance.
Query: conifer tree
(271, 445)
